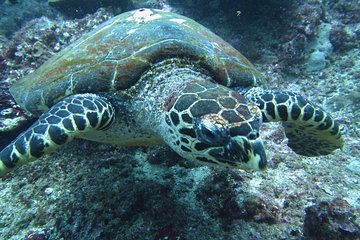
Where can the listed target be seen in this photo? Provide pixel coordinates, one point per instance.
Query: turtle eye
(211, 133)
(253, 135)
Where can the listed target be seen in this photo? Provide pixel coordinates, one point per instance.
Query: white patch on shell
(143, 15)
(131, 31)
(178, 20)
(41, 107)
(113, 80)
(70, 88)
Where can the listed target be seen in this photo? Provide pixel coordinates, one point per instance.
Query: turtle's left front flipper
(311, 131)
(71, 117)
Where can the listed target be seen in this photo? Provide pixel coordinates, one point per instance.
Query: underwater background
(87, 190)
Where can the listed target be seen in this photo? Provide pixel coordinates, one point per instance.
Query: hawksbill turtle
(149, 77)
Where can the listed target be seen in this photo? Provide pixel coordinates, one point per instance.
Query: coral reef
(345, 11)
(307, 17)
(41, 38)
(342, 38)
(18, 13)
(79, 8)
(228, 202)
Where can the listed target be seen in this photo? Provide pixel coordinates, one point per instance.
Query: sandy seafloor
(90, 190)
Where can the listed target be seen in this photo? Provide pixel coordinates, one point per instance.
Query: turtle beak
(248, 154)
(241, 153)
(258, 156)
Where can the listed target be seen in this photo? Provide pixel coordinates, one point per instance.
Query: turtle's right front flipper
(69, 118)
(311, 131)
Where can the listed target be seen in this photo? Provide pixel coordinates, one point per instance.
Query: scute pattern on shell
(113, 57)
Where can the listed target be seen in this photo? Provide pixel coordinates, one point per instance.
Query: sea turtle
(149, 77)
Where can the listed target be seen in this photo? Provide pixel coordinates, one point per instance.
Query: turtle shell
(113, 56)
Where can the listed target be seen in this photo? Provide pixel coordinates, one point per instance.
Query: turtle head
(213, 124)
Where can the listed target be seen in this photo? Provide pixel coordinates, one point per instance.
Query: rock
(347, 11)
(316, 61)
(148, 4)
(38, 234)
(12, 119)
(15, 15)
(220, 199)
(293, 51)
(331, 220)
(319, 48)
(79, 8)
(342, 38)
(308, 17)
(354, 166)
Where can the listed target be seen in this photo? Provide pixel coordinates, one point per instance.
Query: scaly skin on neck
(159, 85)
